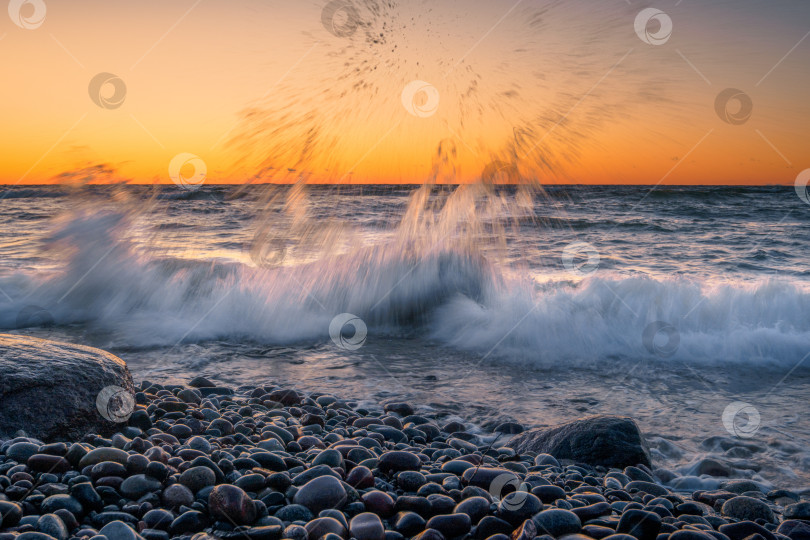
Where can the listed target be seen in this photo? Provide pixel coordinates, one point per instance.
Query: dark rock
(55, 502)
(189, 522)
(397, 461)
(229, 503)
(490, 526)
(87, 496)
(747, 509)
(360, 477)
(429, 534)
(592, 511)
(548, 494)
(519, 506)
(411, 480)
(21, 451)
(196, 478)
(475, 507)
(609, 441)
(158, 519)
(321, 493)
(402, 409)
(794, 511)
(739, 486)
(367, 526)
(98, 455)
(409, 523)
(509, 428)
(490, 479)
(139, 485)
(104, 518)
(177, 495)
(795, 529)
(322, 526)
(450, 525)
(118, 530)
(10, 512)
(713, 467)
(294, 512)
(685, 534)
(527, 531)
(266, 532)
(52, 525)
(647, 487)
(640, 524)
(744, 529)
(557, 522)
(201, 382)
(47, 463)
(49, 389)
(380, 503)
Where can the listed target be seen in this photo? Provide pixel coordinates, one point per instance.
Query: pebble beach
(202, 461)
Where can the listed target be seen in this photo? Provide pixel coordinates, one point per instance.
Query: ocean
(686, 308)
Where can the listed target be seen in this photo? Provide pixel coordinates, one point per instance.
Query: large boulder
(610, 441)
(53, 391)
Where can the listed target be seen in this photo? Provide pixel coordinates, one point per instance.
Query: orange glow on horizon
(266, 94)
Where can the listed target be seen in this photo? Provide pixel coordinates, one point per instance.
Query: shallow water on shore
(470, 318)
(679, 409)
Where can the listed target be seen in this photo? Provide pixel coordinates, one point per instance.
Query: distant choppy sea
(687, 308)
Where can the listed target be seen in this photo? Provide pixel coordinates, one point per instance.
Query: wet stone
(321, 493)
(639, 524)
(557, 522)
(747, 509)
(230, 503)
(367, 526)
(398, 461)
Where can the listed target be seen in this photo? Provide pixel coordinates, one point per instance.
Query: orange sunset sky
(273, 91)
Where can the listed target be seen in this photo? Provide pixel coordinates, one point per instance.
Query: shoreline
(272, 462)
